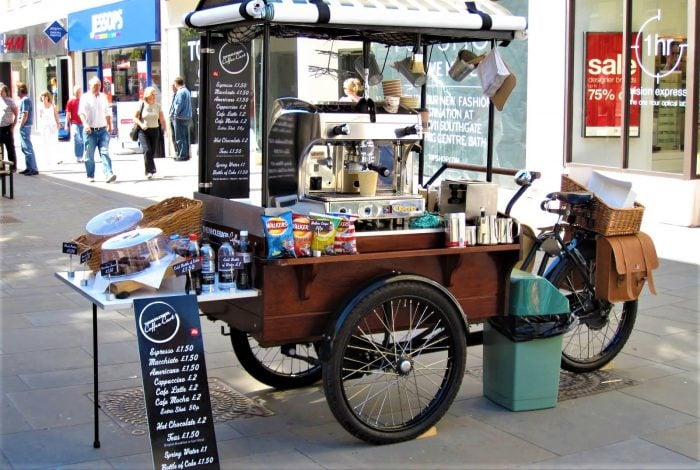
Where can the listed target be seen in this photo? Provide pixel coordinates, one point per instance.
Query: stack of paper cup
(411, 102)
(391, 87)
(391, 103)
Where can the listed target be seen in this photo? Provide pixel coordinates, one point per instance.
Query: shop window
(661, 46)
(124, 73)
(657, 82)
(92, 59)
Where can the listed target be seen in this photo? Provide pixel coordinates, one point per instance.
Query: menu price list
(175, 383)
(229, 106)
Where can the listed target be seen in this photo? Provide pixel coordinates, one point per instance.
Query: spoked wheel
(603, 328)
(282, 367)
(397, 363)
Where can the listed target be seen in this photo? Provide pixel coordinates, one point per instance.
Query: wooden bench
(7, 173)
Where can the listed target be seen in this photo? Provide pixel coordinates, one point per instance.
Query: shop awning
(437, 21)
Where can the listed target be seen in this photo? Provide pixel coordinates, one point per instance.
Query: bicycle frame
(555, 249)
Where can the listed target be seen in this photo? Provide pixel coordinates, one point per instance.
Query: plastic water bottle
(208, 267)
(226, 276)
(194, 277)
(244, 274)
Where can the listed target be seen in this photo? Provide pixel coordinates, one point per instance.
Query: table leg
(95, 380)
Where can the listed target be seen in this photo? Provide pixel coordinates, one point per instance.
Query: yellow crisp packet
(323, 227)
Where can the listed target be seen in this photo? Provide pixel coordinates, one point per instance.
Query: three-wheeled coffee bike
(387, 327)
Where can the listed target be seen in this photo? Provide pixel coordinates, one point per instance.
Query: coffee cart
(386, 328)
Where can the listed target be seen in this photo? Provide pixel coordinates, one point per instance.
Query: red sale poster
(603, 87)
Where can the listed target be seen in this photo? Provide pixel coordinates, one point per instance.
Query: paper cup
(391, 103)
(368, 182)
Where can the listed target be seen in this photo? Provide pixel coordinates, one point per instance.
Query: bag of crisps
(279, 235)
(345, 240)
(323, 227)
(302, 235)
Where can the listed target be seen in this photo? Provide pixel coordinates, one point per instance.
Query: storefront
(634, 99)
(181, 47)
(33, 56)
(120, 44)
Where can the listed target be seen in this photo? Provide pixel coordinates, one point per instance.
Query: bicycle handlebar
(469, 167)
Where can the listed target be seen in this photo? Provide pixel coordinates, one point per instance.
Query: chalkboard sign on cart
(229, 92)
(175, 383)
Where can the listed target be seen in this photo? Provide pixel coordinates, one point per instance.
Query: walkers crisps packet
(324, 228)
(345, 240)
(279, 235)
(302, 235)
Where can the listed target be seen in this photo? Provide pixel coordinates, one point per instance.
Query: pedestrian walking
(74, 125)
(151, 120)
(26, 120)
(180, 117)
(48, 123)
(96, 116)
(8, 119)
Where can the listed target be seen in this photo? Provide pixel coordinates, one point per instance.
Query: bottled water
(226, 276)
(208, 267)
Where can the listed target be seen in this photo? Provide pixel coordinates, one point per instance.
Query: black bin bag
(519, 329)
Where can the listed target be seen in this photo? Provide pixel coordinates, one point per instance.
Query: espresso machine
(316, 152)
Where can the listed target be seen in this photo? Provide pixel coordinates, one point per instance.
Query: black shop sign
(228, 98)
(175, 383)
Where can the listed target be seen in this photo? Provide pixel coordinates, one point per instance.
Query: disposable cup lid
(114, 221)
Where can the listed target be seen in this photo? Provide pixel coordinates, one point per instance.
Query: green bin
(525, 375)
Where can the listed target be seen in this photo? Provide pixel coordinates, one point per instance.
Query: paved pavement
(46, 353)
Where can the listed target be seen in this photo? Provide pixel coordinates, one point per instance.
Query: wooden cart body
(302, 296)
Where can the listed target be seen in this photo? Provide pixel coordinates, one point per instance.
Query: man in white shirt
(96, 115)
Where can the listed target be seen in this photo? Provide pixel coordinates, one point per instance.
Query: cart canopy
(390, 22)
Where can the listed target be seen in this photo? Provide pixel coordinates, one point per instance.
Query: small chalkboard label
(110, 267)
(70, 248)
(85, 256)
(231, 262)
(321, 225)
(187, 266)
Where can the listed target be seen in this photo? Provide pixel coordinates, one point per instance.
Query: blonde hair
(48, 95)
(354, 85)
(148, 92)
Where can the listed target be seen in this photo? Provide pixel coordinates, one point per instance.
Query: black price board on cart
(175, 383)
(229, 100)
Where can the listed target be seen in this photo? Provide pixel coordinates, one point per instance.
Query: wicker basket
(603, 219)
(174, 215)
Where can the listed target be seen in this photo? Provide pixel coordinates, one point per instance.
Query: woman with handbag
(151, 121)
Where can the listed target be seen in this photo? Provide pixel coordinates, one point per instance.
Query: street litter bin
(522, 350)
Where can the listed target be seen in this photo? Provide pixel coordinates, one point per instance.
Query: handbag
(134, 132)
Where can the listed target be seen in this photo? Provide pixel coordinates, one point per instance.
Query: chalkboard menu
(226, 120)
(282, 172)
(175, 383)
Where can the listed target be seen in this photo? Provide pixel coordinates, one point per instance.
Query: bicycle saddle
(574, 198)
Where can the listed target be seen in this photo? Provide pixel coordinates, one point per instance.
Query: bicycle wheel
(282, 367)
(397, 364)
(603, 327)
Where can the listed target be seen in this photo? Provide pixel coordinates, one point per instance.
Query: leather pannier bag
(623, 264)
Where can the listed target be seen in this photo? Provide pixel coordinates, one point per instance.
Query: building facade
(605, 85)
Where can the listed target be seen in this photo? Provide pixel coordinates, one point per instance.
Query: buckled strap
(486, 21)
(324, 11)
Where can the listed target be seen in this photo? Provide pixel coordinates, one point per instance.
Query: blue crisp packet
(279, 235)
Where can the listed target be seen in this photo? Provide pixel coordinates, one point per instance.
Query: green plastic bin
(524, 376)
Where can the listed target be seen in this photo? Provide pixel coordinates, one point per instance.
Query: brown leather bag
(623, 264)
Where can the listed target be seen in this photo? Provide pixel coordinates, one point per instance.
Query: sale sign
(603, 87)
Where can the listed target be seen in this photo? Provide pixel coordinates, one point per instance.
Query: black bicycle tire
(623, 322)
(263, 372)
(339, 382)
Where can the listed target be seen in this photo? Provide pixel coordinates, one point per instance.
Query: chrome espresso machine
(316, 151)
